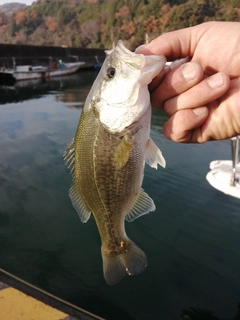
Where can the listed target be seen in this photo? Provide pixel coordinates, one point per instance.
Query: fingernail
(200, 111)
(188, 71)
(215, 81)
(139, 49)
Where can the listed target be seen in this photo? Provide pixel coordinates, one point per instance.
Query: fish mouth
(132, 59)
(121, 46)
(129, 56)
(118, 104)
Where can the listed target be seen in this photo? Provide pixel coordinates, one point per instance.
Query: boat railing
(235, 151)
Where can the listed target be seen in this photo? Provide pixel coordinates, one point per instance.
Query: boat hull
(220, 177)
(30, 73)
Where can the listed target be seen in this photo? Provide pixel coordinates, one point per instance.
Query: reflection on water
(198, 314)
(72, 89)
(192, 240)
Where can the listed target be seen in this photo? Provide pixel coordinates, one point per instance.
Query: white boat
(23, 73)
(29, 72)
(225, 174)
(65, 68)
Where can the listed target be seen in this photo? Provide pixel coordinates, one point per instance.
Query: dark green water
(192, 240)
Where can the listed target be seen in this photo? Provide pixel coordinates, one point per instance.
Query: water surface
(192, 240)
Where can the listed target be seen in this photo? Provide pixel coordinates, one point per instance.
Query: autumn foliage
(100, 23)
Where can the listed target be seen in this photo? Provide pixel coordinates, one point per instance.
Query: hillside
(99, 23)
(9, 8)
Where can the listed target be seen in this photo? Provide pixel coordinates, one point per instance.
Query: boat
(225, 174)
(29, 72)
(65, 68)
(98, 65)
(26, 72)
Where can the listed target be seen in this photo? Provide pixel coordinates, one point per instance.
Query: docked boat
(225, 174)
(65, 68)
(29, 72)
(23, 73)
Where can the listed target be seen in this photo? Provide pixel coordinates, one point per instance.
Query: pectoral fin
(83, 212)
(122, 152)
(153, 155)
(143, 205)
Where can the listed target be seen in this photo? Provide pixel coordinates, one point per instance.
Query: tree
(13, 26)
(20, 18)
(51, 24)
(3, 19)
(90, 32)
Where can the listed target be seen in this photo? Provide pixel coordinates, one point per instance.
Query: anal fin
(143, 205)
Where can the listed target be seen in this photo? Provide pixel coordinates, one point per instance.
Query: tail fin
(132, 262)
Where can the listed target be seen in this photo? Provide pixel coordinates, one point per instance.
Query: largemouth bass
(108, 154)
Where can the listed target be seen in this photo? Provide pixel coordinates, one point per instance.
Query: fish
(108, 154)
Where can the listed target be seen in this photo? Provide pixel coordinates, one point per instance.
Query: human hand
(201, 107)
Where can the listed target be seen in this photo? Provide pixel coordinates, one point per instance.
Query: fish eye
(111, 72)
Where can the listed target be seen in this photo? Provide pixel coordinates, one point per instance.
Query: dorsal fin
(69, 155)
(69, 158)
(83, 212)
(143, 205)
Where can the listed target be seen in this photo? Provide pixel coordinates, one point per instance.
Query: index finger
(175, 82)
(174, 45)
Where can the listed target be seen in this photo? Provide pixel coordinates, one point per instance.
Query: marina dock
(38, 55)
(24, 62)
(20, 300)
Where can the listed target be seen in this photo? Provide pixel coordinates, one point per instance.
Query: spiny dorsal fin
(143, 205)
(69, 155)
(153, 155)
(83, 212)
